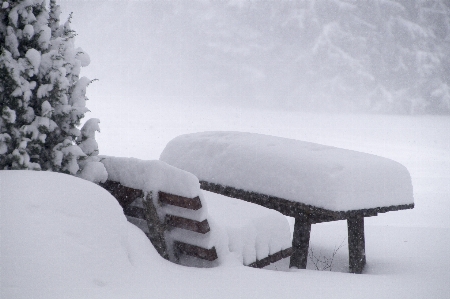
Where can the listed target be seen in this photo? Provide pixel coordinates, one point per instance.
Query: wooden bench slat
(293, 209)
(188, 224)
(273, 258)
(124, 195)
(154, 227)
(196, 251)
(180, 201)
(135, 212)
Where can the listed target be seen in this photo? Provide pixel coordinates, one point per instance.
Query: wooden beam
(135, 212)
(300, 242)
(356, 244)
(188, 224)
(156, 227)
(196, 251)
(124, 195)
(293, 208)
(180, 201)
(273, 258)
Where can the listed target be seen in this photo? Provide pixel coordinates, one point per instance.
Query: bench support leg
(356, 244)
(300, 242)
(155, 227)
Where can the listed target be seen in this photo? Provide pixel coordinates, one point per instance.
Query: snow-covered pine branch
(42, 96)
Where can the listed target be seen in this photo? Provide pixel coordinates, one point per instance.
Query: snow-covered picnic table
(311, 182)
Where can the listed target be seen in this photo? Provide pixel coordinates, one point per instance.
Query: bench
(140, 210)
(312, 183)
(168, 205)
(160, 199)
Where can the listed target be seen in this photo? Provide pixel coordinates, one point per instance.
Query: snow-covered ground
(79, 245)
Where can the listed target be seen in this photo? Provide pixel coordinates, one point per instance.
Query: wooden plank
(292, 209)
(273, 258)
(263, 263)
(135, 212)
(287, 252)
(180, 201)
(286, 207)
(156, 227)
(356, 244)
(196, 251)
(300, 242)
(188, 224)
(124, 195)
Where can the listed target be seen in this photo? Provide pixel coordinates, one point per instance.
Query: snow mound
(322, 176)
(63, 237)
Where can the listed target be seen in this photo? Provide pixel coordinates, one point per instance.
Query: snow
(43, 90)
(94, 171)
(8, 115)
(83, 57)
(73, 152)
(151, 176)
(4, 139)
(90, 127)
(314, 174)
(56, 243)
(34, 57)
(78, 97)
(76, 243)
(46, 108)
(45, 34)
(28, 31)
(60, 253)
(87, 137)
(11, 41)
(89, 146)
(253, 232)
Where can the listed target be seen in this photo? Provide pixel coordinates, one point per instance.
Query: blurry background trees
(381, 56)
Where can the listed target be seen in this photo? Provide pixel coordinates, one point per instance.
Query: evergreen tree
(42, 96)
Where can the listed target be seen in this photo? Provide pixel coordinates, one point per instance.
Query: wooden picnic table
(312, 183)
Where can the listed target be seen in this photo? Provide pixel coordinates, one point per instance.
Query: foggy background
(345, 56)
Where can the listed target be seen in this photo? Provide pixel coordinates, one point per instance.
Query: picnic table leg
(356, 244)
(300, 242)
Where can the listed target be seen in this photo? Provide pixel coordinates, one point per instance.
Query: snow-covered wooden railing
(162, 200)
(311, 182)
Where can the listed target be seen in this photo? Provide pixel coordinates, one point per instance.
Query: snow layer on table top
(254, 232)
(322, 176)
(151, 175)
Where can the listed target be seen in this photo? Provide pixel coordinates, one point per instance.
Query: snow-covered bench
(311, 182)
(166, 203)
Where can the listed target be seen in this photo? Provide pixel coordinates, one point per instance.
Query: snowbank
(61, 236)
(64, 237)
(323, 176)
